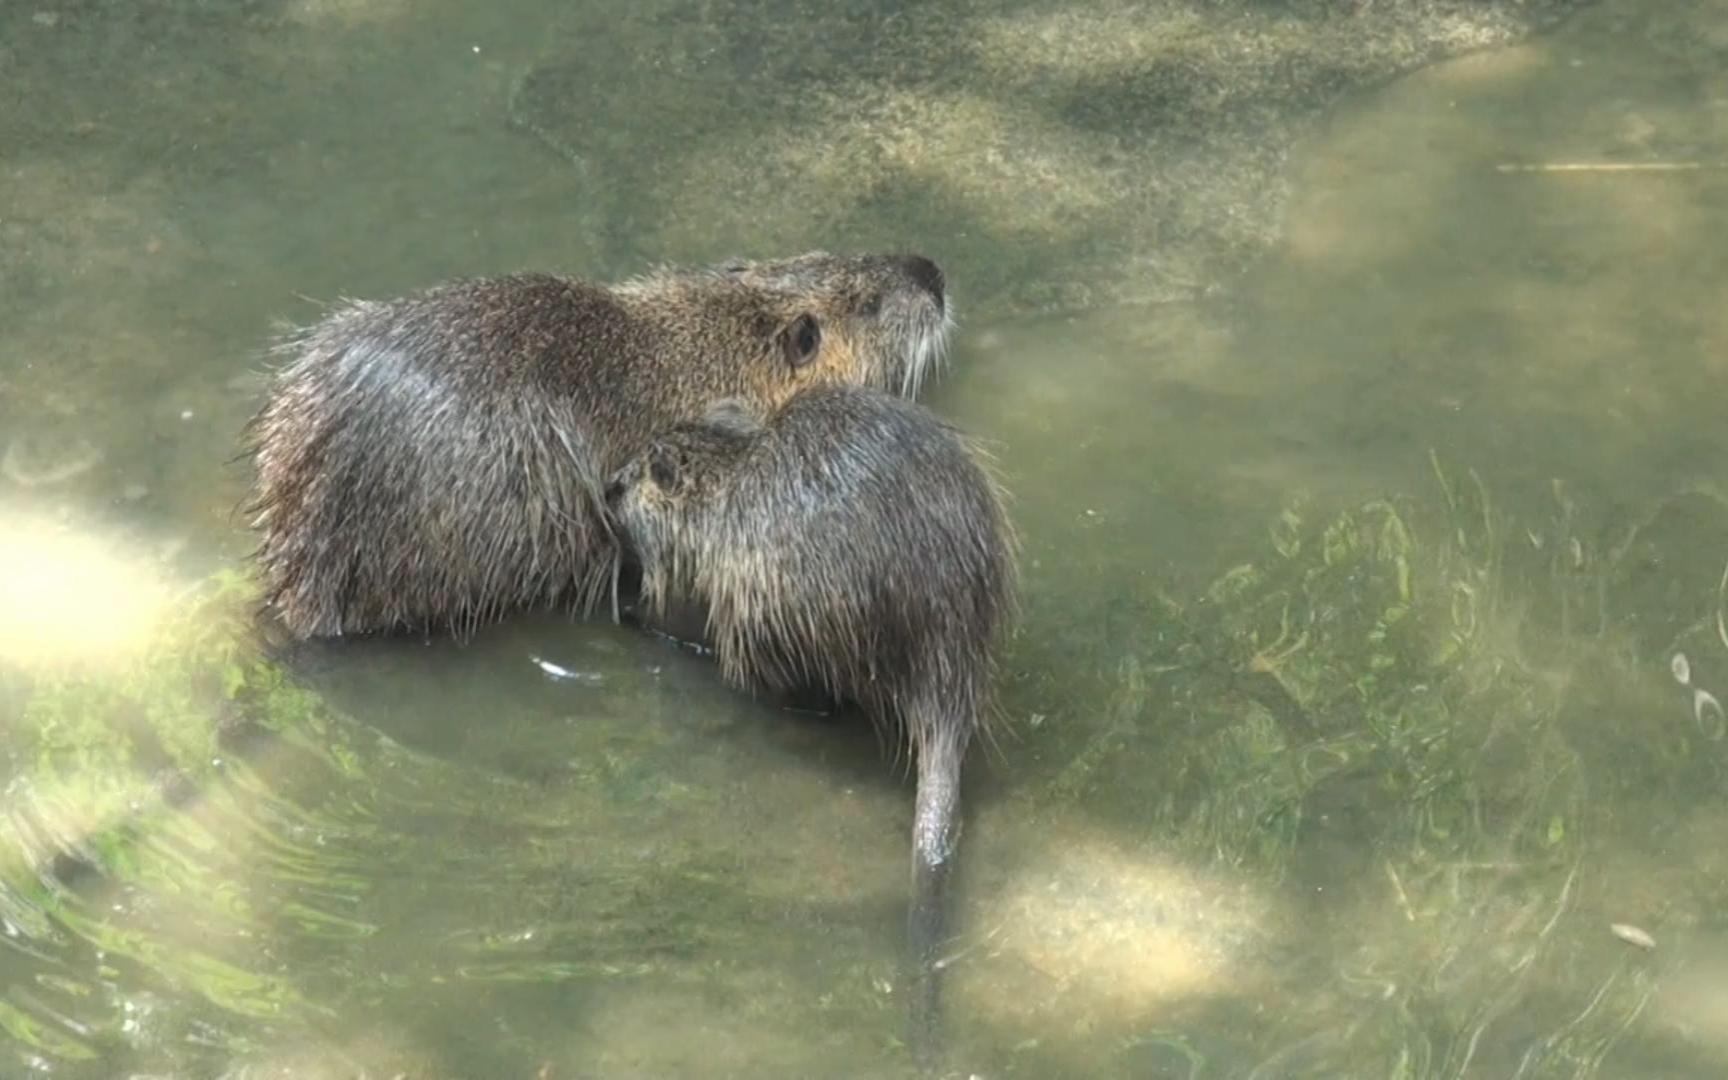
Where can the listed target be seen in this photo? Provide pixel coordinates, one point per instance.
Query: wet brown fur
(436, 460)
(852, 541)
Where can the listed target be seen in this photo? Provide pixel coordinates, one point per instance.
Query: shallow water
(1368, 677)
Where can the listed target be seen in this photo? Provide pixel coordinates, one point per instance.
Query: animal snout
(927, 274)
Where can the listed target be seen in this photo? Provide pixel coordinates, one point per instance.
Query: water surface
(1374, 623)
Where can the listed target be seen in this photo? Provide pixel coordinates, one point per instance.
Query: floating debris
(1632, 935)
(1610, 167)
(1707, 713)
(564, 674)
(1682, 669)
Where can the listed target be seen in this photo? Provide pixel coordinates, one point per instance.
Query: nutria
(438, 459)
(848, 540)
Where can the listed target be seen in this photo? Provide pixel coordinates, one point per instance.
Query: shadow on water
(1138, 146)
(1374, 638)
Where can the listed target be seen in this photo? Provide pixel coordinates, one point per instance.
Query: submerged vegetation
(131, 793)
(1417, 724)
(1425, 787)
(1433, 726)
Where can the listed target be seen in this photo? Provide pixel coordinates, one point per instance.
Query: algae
(1058, 156)
(1431, 726)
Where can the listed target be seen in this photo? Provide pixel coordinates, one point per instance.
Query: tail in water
(935, 842)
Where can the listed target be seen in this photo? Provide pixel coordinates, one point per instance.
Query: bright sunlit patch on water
(345, 13)
(68, 595)
(1111, 934)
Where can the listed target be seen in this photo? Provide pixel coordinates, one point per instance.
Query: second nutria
(850, 541)
(438, 459)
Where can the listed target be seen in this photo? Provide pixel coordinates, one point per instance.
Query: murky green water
(1368, 442)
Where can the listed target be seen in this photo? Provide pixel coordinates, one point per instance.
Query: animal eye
(663, 470)
(802, 339)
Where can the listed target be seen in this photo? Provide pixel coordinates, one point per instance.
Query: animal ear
(800, 340)
(733, 416)
(665, 467)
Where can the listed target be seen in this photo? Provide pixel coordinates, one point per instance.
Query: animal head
(816, 319)
(658, 496)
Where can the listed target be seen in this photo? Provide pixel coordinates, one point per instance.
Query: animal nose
(926, 274)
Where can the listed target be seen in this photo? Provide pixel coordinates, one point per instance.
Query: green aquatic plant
(1399, 718)
(1407, 716)
(123, 788)
(202, 837)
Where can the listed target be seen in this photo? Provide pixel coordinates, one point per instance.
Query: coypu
(438, 459)
(850, 541)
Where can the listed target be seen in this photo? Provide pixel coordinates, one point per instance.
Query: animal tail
(935, 842)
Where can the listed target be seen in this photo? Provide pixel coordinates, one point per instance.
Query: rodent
(851, 541)
(437, 460)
